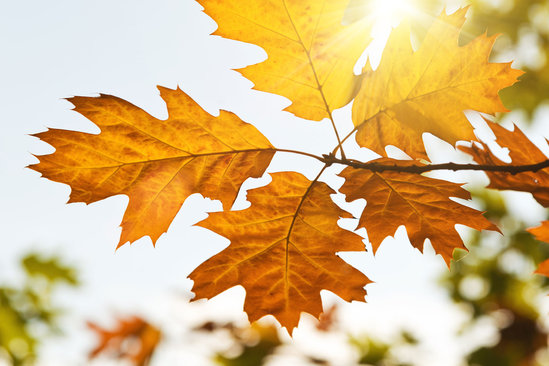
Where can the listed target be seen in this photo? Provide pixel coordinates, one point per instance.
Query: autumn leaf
(420, 203)
(522, 152)
(132, 339)
(311, 55)
(156, 163)
(427, 91)
(282, 251)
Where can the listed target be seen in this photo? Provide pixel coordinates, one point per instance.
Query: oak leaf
(427, 91)
(420, 203)
(132, 339)
(311, 55)
(522, 152)
(156, 163)
(282, 251)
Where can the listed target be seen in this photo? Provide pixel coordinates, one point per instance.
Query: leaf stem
(339, 141)
(334, 151)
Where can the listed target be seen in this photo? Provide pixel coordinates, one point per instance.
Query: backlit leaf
(420, 203)
(283, 251)
(522, 152)
(427, 91)
(156, 163)
(311, 55)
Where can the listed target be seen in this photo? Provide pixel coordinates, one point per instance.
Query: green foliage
(27, 312)
(254, 343)
(494, 280)
(51, 269)
(257, 343)
(376, 353)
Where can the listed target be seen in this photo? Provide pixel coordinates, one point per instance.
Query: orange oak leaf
(427, 91)
(282, 251)
(420, 203)
(311, 55)
(132, 339)
(156, 163)
(522, 152)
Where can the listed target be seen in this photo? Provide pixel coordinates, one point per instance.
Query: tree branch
(330, 159)
(418, 169)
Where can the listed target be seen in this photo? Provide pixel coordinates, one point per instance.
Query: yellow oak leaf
(522, 152)
(156, 163)
(283, 251)
(421, 204)
(427, 90)
(311, 55)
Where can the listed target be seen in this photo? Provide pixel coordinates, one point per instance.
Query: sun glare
(388, 13)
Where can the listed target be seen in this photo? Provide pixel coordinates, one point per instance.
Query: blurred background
(67, 298)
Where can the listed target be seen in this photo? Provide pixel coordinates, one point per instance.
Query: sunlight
(388, 13)
(382, 16)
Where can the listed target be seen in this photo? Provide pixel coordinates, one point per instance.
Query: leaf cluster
(284, 246)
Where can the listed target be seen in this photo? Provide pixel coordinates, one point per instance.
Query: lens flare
(391, 12)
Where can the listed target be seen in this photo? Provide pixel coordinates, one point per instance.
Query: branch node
(329, 159)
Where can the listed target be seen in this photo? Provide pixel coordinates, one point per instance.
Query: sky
(54, 50)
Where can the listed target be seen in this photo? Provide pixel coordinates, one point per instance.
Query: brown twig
(330, 159)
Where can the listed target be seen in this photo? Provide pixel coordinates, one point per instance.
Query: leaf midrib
(173, 158)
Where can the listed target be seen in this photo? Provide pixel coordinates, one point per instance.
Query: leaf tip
(165, 89)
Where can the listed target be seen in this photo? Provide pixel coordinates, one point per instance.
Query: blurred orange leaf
(541, 232)
(543, 268)
(132, 339)
(327, 319)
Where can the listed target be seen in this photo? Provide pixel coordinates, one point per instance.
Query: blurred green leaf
(26, 308)
(51, 269)
(258, 342)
